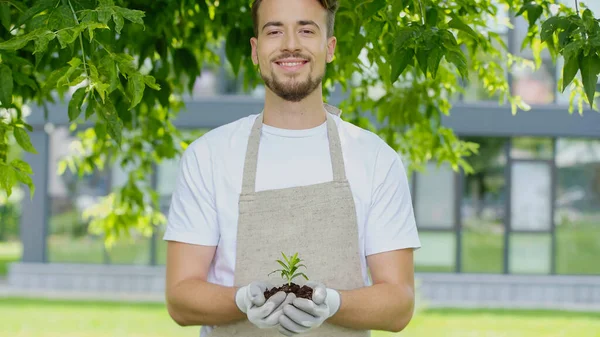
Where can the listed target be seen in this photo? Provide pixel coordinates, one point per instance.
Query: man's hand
(303, 315)
(263, 313)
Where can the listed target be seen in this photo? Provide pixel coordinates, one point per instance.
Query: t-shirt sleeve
(391, 222)
(192, 214)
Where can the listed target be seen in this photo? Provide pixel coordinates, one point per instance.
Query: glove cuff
(334, 301)
(240, 299)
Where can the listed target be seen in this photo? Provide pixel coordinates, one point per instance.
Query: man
(294, 179)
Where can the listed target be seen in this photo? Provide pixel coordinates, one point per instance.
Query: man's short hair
(330, 5)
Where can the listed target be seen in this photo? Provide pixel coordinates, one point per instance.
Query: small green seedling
(290, 267)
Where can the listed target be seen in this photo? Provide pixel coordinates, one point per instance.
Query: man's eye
(273, 32)
(306, 31)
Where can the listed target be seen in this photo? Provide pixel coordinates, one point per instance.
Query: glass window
(530, 196)
(435, 197)
(530, 253)
(69, 196)
(438, 252)
(483, 207)
(531, 148)
(134, 250)
(577, 214)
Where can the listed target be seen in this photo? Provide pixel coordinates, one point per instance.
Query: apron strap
(251, 162)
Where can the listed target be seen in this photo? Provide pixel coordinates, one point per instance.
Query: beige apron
(317, 221)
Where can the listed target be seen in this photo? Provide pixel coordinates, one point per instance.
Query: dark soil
(304, 291)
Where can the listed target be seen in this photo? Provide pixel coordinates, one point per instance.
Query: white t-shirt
(204, 205)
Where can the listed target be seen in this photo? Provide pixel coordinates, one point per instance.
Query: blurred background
(512, 249)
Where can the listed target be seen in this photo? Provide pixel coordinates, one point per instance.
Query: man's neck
(306, 114)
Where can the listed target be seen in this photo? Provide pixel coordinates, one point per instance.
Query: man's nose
(290, 42)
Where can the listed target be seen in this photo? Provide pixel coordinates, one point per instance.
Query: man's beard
(295, 91)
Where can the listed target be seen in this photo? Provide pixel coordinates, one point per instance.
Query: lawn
(108, 319)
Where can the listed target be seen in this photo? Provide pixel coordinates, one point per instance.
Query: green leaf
(400, 60)
(232, 49)
(589, 21)
(299, 274)
(68, 36)
(285, 258)
(125, 63)
(24, 80)
(5, 15)
(53, 79)
(24, 141)
(40, 6)
(22, 170)
(42, 40)
(457, 23)
(89, 110)
(136, 86)
(422, 56)
(22, 166)
(404, 37)
(17, 4)
(119, 22)
(433, 62)
(589, 66)
(369, 8)
(7, 178)
(75, 63)
(151, 82)
(60, 18)
(6, 86)
(570, 70)
(18, 42)
(432, 16)
(134, 16)
(550, 26)
(75, 103)
(460, 61)
(282, 264)
(115, 125)
(534, 13)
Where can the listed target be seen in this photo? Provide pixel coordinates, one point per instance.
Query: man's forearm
(196, 302)
(385, 307)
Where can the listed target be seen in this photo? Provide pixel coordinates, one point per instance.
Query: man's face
(292, 48)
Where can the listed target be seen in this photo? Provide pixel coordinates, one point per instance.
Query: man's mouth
(291, 64)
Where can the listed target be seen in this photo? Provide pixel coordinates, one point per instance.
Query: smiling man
(295, 178)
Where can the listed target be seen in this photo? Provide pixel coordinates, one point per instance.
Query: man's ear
(331, 44)
(254, 44)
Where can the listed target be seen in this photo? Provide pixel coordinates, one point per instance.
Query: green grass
(49, 318)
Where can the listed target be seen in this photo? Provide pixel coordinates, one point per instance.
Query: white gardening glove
(263, 313)
(303, 315)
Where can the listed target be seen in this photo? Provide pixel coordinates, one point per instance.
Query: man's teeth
(291, 64)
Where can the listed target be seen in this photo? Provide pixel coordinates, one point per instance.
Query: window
(577, 213)
(483, 208)
(438, 252)
(69, 196)
(435, 196)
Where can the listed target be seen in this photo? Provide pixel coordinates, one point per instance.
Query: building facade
(522, 231)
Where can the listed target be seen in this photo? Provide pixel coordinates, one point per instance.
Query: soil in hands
(303, 292)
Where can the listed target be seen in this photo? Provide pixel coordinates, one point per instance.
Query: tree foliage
(124, 65)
